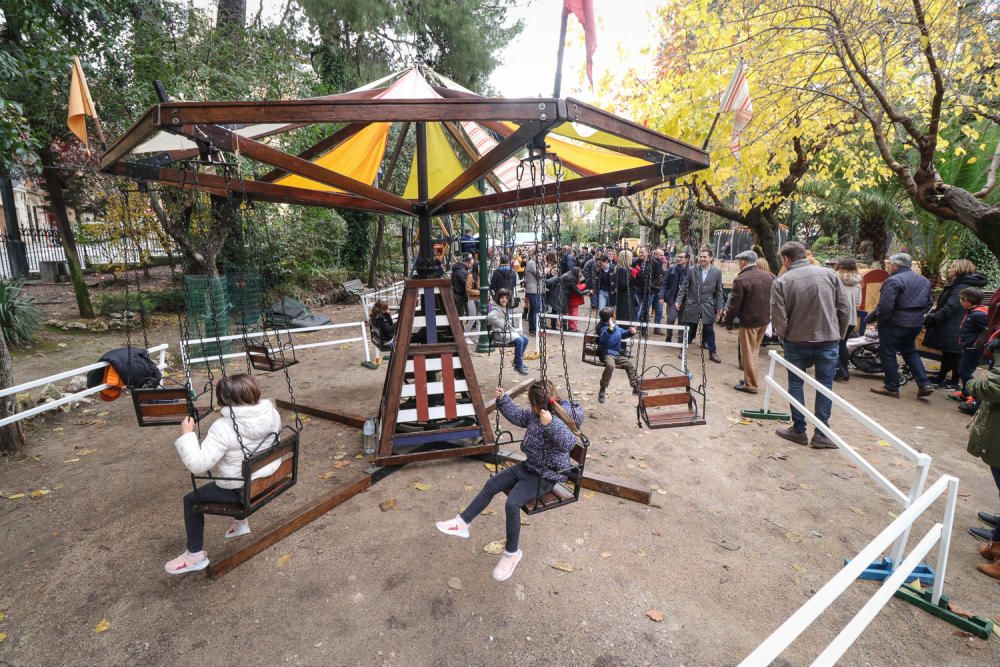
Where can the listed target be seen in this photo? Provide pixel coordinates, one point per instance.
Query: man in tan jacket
(810, 312)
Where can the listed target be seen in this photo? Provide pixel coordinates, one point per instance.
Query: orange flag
(80, 103)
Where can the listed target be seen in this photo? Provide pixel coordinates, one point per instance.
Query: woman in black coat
(624, 308)
(943, 321)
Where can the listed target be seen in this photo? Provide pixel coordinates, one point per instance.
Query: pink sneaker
(239, 528)
(505, 568)
(187, 562)
(455, 527)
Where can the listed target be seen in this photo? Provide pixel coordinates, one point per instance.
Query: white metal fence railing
(69, 398)
(390, 294)
(285, 334)
(922, 461)
(797, 623)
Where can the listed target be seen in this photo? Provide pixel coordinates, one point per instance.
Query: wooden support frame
(319, 148)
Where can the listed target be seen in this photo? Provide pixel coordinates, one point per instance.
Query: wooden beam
(318, 508)
(468, 149)
(514, 392)
(230, 141)
(138, 133)
(433, 455)
(347, 418)
(600, 483)
(477, 169)
(254, 189)
(328, 144)
(372, 111)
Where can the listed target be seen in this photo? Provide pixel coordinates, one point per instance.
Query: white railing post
(945, 546)
(767, 387)
(917, 488)
(364, 341)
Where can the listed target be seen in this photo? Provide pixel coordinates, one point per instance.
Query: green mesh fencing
(245, 290)
(208, 311)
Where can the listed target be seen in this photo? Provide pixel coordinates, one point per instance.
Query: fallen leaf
(326, 475)
(996, 627)
(641, 552)
(963, 634)
(805, 486)
(85, 452)
(654, 615)
(36, 457)
(589, 494)
(103, 414)
(468, 487)
(2, 616)
(422, 486)
(61, 344)
(893, 515)
(38, 493)
(85, 422)
(58, 429)
(71, 460)
(662, 492)
(387, 505)
(359, 456)
(961, 612)
(3, 636)
(605, 554)
(525, 522)
(454, 583)
(341, 464)
(339, 455)
(793, 537)
(102, 626)
(883, 443)
(788, 486)
(57, 486)
(489, 511)
(283, 559)
(492, 467)
(642, 464)
(745, 421)
(495, 548)
(564, 567)
(15, 496)
(778, 457)
(798, 568)
(857, 511)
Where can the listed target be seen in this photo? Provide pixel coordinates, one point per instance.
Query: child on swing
(258, 424)
(551, 428)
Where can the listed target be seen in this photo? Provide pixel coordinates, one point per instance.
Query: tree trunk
(57, 204)
(376, 253)
(874, 232)
(762, 228)
(12, 435)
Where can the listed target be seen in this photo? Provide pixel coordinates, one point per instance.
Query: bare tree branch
(991, 175)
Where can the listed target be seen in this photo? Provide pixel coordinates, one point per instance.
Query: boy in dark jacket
(611, 352)
(973, 324)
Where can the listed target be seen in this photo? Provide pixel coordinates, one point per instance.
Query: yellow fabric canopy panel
(359, 158)
(442, 166)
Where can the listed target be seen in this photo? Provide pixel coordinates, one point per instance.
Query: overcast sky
(624, 28)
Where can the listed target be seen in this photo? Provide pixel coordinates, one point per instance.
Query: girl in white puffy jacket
(259, 424)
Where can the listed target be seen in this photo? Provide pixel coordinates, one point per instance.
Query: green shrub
(169, 300)
(19, 316)
(986, 262)
(116, 302)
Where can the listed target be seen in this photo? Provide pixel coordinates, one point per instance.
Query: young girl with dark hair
(551, 428)
(383, 328)
(259, 424)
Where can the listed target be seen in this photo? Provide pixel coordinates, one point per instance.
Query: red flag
(584, 11)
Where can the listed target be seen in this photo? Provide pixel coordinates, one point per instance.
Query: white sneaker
(187, 562)
(505, 568)
(239, 528)
(455, 527)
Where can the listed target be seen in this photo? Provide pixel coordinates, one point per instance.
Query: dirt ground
(745, 527)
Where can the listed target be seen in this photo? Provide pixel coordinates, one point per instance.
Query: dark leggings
(194, 522)
(843, 368)
(996, 479)
(949, 363)
(523, 486)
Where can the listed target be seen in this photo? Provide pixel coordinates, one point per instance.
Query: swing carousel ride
(431, 405)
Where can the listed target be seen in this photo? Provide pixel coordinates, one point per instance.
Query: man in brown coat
(751, 303)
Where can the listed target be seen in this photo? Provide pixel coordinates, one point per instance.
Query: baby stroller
(864, 351)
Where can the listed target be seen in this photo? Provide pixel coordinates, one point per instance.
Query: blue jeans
(900, 340)
(523, 486)
(603, 300)
(657, 309)
(534, 311)
(642, 309)
(520, 343)
(825, 358)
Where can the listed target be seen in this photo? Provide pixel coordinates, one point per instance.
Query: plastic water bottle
(369, 432)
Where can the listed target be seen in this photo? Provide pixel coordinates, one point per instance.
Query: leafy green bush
(116, 302)
(985, 261)
(169, 300)
(19, 316)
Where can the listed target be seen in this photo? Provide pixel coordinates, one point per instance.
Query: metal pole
(425, 253)
(483, 344)
(559, 62)
(16, 252)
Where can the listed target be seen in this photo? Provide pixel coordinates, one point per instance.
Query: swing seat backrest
(589, 354)
(667, 402)
(260, 491)
(263, 358)
(167, 406)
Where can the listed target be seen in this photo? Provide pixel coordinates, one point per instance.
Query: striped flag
(737, 99)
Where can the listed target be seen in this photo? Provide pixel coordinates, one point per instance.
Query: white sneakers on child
(455, 527)
(187, 562)
(505, 568)
(239, 528)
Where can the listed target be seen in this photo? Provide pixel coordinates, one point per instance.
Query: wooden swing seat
(260, 491)
(264, 357)
(168, 406)
(589, 353)
(670, 409)
(563, 493)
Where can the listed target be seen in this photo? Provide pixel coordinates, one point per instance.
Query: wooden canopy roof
(605, 155)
